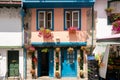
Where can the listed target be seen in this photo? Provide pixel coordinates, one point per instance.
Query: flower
(46, 33)
(72, 29)
(109, 9)
(31, 49)
(116, 26)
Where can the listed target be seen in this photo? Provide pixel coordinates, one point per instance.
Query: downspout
(24, 49)
(92, 42)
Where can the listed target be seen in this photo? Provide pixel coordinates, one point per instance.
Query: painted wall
(3, 61)
(58, 32)
(10, 27)
(102, 28)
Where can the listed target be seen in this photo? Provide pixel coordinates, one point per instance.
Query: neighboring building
(107, 34)
(11, 39)
(58, 50)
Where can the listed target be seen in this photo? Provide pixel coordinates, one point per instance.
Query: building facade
(107, 35)
(56, 31)
(11, 43)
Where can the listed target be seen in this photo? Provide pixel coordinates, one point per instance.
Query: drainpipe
(92, 28)
(24, 49)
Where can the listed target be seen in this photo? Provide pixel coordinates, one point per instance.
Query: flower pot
(57, 49)
(57, 60)
(57, 74)
(32, 71)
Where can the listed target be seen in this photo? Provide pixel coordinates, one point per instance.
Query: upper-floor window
(115, 14)
(72, 18)
(45, 19)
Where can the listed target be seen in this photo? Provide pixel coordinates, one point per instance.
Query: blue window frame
(45, 18)
(72, 18)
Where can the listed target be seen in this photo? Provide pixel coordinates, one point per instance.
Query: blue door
(68, 63)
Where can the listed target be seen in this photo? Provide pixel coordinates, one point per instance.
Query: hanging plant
(31, 49)
(116, 26)
(109, 11)
(70, 50)
(46, 33)
(45, 50)
(86, 49)
(57, 49)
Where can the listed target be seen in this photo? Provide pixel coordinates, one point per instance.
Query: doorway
(13, 63)
(44, 63)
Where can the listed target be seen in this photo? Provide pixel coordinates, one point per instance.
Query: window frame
(45, 11)
(71, 13)
(108, 19)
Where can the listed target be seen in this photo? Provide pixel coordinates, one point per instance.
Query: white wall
(102, 28)
(10, 27)
(3, 61)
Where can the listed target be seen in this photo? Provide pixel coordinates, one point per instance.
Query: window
(115, 15)
(70, 57)
(45, 19)
(72, 18)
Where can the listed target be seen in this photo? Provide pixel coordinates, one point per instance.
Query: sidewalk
(46, 78)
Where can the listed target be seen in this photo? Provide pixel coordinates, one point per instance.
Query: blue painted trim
(79, 10)
(22, 15)
(49, 44)
(25, 63)
(35, 4)
(37, 27)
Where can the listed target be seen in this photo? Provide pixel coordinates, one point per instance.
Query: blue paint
(65, 28)
(37, 27)
(68, 69)
(58, 3)
(64, 44)
(39, 61)
(51, 63)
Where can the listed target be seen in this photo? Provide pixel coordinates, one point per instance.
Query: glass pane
(75, 15)
(49, 16)
(75, 23)
(68, 16)
(41, 24)
(68, 24)
(49, 24)
(41, 15)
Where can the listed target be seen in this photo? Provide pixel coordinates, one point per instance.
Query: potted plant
(46, 33)
(72, 29)
(70, 50)
(81, 73)
(109, 11)
(116, 26)
(57, 74)
(57, 49)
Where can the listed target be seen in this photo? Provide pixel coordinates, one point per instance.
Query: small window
(45, 19)
(70, 57)
(72, 18)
